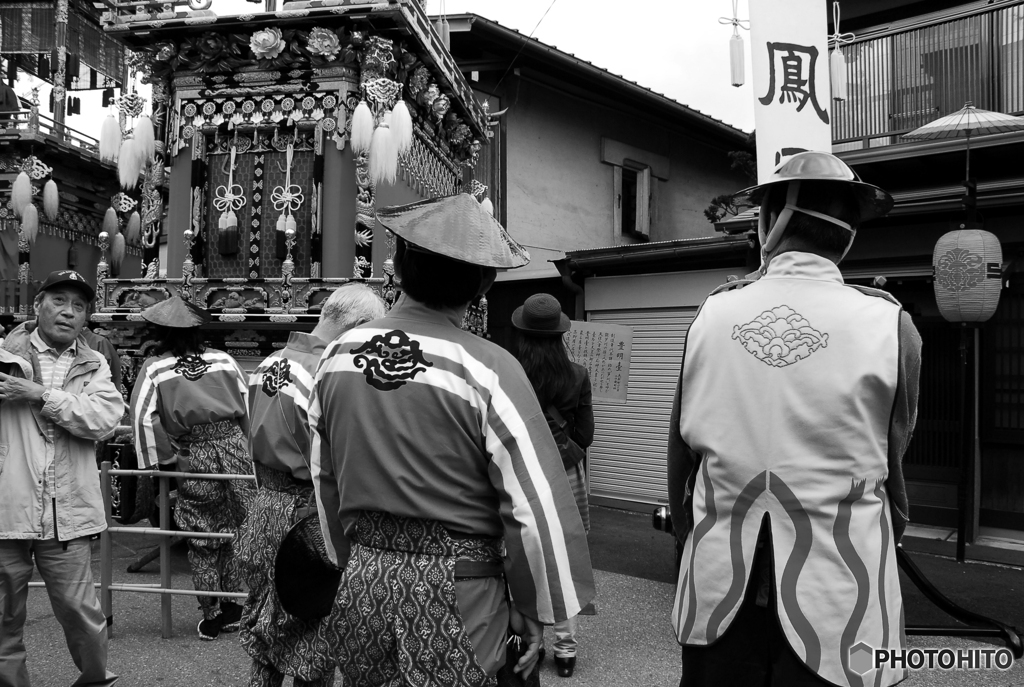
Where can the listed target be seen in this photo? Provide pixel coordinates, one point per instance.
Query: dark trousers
(753, 652)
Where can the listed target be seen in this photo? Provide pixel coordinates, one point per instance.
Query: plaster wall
(560, 195)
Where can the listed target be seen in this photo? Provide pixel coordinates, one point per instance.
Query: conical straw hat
(456, 227)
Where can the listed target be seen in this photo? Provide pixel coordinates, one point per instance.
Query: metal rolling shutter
(627, 458)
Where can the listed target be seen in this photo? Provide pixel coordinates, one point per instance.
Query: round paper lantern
(968, 275)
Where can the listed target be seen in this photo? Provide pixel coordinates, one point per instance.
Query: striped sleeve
(547, 560)
(152, 445)
(243, 388)
(325, 484)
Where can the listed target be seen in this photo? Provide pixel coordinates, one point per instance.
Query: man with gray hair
(279, 440)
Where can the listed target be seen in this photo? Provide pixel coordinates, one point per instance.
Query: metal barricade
(164, 589)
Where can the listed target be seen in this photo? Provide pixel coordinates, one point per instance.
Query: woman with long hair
(563, 389)
(189, 412)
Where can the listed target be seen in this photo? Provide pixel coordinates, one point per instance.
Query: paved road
(628, 643)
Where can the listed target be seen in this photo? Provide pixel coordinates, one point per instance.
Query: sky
(674, 47)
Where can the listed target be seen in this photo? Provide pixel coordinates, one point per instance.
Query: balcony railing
(903, 80)
(29, 124)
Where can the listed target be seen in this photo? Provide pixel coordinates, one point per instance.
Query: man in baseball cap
(50, 489)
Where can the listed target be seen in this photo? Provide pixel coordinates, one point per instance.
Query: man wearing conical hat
(432, 457)
(796, 401)
(189, 412)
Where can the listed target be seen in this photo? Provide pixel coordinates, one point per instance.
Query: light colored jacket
(86, 409)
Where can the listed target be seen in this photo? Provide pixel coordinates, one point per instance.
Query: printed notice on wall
(604, 349)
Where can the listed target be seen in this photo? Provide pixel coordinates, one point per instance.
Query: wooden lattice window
(1002, 391)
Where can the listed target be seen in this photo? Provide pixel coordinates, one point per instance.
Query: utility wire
(525, 41)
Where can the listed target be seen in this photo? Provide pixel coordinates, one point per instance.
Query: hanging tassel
(117, 251)
(110, 222)
(736, 58)
(362, 128)
(21, 193)
(837, 72)
(383, 156)
(110, 139)
(129, 165)
(145, 141)
(487, 206)
(401, 127)
(134, 229)
(30, 223)
(51, 200)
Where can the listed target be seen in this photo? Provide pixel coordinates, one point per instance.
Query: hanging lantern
(968, 275)
(73, 256)
(837, 73)
(736, 58)
(51, 200)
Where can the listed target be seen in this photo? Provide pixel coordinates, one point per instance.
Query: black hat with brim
(305, 579)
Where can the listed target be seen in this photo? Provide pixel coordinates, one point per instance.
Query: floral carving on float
(266, 44)
(323, 43)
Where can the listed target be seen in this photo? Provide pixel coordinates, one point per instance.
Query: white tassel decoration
(117, 251)
(383, 156)
(30, 223)
(282, 222)
(487, 206)
(21, 193)
(837, 72)
(736, 59)
(232, 222)
(362, 128)
(51, 200)
(110, 139)
(290, 225)
(145, 140)
(401, 127)
(129, 165)
(134, 229)
(110, 222)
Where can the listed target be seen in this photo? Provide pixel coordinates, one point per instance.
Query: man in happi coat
(432, 456)
(796, 401)
(279, 643)
(189, 411)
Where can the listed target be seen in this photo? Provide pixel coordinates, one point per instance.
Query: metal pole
(965, 493)
(106, 552)
(166, 630)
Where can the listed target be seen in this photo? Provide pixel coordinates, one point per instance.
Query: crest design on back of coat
(390, 360)
(780, 337)
(191, 367)
(277, 377)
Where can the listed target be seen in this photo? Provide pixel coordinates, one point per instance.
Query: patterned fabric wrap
(578, 482)
(214, 506)
(401, 624)
(269, 634)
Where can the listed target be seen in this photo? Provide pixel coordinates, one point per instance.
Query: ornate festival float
(270, 140)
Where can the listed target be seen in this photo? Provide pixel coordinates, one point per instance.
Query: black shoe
(565, 665)
(230, 616)
(540, 655)
(209, 628)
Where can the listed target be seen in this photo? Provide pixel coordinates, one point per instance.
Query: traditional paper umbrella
(965, 122)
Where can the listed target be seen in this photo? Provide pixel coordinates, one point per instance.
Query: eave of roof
(658, 250)
(531, 47)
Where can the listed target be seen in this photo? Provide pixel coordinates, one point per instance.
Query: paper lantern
(736, 59)
(837, 74)
(968, 275)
